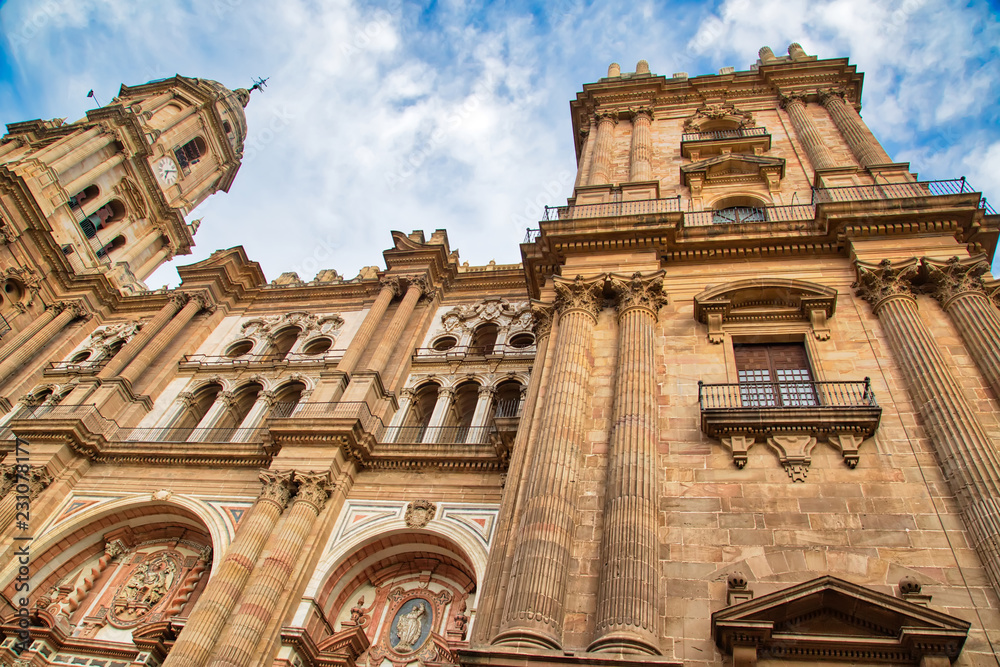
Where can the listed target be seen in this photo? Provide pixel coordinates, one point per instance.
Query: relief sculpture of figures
(410, 627)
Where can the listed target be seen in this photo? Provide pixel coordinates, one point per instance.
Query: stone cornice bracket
(586, 295)
(638, 292)
(878, 283)
(313, 488)
(952, 278)
(277, 487)
(541, 320)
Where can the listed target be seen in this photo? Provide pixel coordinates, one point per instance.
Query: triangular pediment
(832, 618)
(733, 164)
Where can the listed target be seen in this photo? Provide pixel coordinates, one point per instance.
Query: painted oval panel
(411, 625)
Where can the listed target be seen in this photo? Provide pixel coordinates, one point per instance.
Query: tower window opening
(484, 338)
(190, 153)
(89, 193)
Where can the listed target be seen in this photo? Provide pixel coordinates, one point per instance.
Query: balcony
(789, 416)
(58, 368)
(474, 352)
(221, 362)
(889, 191)
(753, 140)
(744, 215)
(613, 209)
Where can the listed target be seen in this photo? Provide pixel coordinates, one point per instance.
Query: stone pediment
(766, 299)
(832, 619)
(733, 165)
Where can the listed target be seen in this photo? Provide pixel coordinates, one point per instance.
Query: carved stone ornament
(419, 513)
(277, 486)
(794, 453)
(716, 111)
(878, 282)
(38, 480)
(580, 294)
(146, 587)
(512, 316)
(313, 488)
(955, 277)
(608, 115)
(638, 292)
(391, 282)
(7, 478)
(541, 320)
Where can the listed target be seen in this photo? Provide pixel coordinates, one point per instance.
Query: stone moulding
(766, 300)
(829, 618)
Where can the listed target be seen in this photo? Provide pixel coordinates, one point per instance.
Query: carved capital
(277, 487)
(313, 488)
(422, 284)
(487, 391)
(179, 299)
(7, 478)
(792, 99)
(580, 294)
(610, 116)
(204, 302)
(831, 95)
(541, 320)
(642, 112)
(638, 292)
(186, 398)
(267, 397)
(407, 394)
(955, 277)
(391, 283)
(878, 282)
(38, 480)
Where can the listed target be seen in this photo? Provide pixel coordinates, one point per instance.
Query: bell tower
(111, 191)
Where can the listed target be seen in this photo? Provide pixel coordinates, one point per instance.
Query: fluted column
(132, 348)
(399, 417)
(863, 143)
(390, 288)
(628, 592)
(103, 167)
(394, 331)
(641, 152)
(166, 336)
(67, 313)
(76, 149)
(212, 609)
(442, 406)
(600, 163)
(534, 608)
(805, 130)
(967, 456)
(583, 164)
(25, 334)
(268, 582)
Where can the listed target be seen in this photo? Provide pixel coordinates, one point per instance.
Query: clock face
(167, 171)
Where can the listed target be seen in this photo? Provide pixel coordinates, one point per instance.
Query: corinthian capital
(791, 99)
(38, 479)
(878, 282)
(277, 487)
(7, 477)
(392, 283)
(541, 320)
(638, 292)
(580, 294)
(608, 115)
(179, 299)
(955, 276)
(314, 489)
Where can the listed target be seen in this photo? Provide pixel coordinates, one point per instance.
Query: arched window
(197, 407)
(88, 194)
(191, 153)
(419, 415)
(117, 243)
(484, 338)
(283, 341)
(110, 213)
(286, 399)
(243, 400)
(738, 210)
(508, 400)
(463, 410)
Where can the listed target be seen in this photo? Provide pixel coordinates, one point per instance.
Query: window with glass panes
(774, 374)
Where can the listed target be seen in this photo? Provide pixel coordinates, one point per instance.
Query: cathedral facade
(737, 405)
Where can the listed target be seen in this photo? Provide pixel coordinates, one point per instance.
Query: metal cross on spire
(259, 84)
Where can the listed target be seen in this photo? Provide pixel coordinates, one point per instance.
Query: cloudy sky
(407, 115)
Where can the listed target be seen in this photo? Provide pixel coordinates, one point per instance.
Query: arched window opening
(80, 357)
(243, 400)
(115, 348)
(282, 342)
(463, 411)
(41, 402)
(191, 153)
(117, 243)
(286, 399)
(738, 210)
(419, 415)
(89, 193)
(521, 341)
(508, 400)
(196, 410)
(110, 213)
(484, 338)
(444, 343)
(317, 346)
(239, 348)
(226, 127)
(13, 290)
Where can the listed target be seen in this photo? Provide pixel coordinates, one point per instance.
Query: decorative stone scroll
(716, 112)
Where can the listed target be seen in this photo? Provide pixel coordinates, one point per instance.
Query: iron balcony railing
(341, 410)
(77, 367)
(442, 435)
(613, 209)
(508, 408)
(724, 134)
(747, 214)
(4, 326)
(223, 361)
(882, 191)
(465, 351)
(811, 394)
(86, 413)
(531, 234)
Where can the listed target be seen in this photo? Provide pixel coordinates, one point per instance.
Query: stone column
(67, 313)
(399, 417)
(439, 415)
(258, 413)
(162, 255)
(534, 608)
(863, 143)
(628, 593)
(968, 457)
(268, 582)
(212, 609)
(583, 164)
(394, 332)
(805, 130)
(390, 288)
(25, 334)
(600, 163)
(132, 348)
(75, 149)
(82, 181)
(641, 152)
(166, 336)
(481, 417)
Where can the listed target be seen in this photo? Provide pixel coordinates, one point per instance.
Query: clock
(166, 169)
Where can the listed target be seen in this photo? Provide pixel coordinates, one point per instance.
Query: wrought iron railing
(78, 367)
(223, 361)
(812, 394)
(465, 351)
(739, 133)
(441, 435)
(508, 408)
(4, 326)
(86, 413)
(613, 209)
(531, 234)
(881, 191)
(748, 214)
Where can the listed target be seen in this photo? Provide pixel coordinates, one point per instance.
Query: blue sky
(404, 115)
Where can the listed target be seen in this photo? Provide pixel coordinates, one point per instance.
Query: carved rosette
(878, 283)
(313, 489)
(277, 487)
(586, 295)
(956, 277)
(419, 513)
(638, 292)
